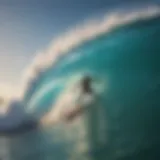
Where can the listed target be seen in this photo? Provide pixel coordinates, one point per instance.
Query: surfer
(71, 104)
(84, 100)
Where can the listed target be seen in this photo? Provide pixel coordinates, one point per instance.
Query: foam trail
(79, 35)
(47, 87)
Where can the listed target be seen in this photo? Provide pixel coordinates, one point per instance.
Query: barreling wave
(42, 86)
(121, 55)
(33, 88)
(80, 34)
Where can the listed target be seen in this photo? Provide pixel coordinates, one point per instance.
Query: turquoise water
(126, 60)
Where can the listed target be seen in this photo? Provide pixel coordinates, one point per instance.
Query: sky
(28, 26)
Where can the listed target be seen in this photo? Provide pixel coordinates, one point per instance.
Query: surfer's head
(86, 84)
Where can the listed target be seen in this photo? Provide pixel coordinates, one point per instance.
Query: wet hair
(86, 84)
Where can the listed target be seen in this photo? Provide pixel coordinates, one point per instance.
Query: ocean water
(124, 122)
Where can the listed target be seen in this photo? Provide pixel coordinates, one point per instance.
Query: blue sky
(28, 26)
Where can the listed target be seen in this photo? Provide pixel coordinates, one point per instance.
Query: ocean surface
(124, 65)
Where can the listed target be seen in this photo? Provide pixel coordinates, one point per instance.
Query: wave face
(125, 65)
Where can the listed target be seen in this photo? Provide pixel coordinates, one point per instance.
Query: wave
(79, 35)
(65, 44)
